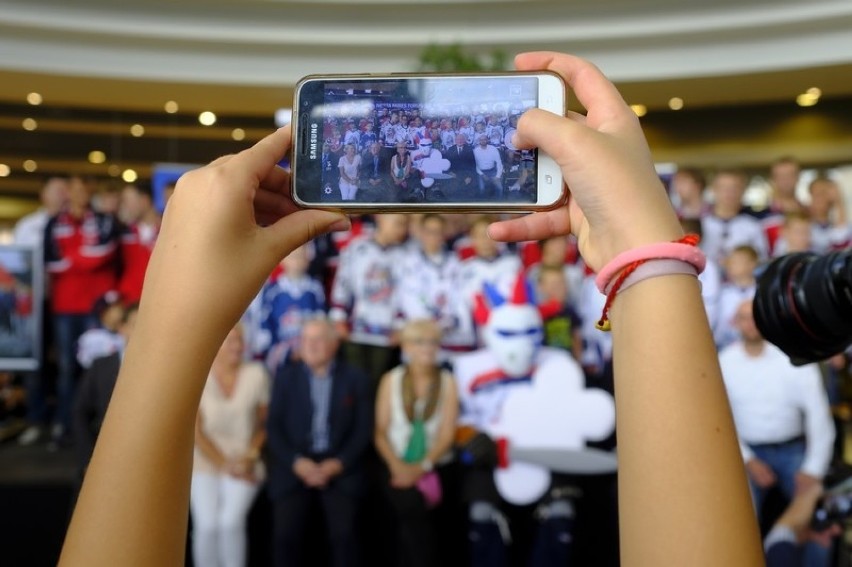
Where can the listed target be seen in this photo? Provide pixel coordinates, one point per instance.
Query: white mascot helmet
(514, 330)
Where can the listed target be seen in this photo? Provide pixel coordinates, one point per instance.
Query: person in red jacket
(142, 225)
(81, 253)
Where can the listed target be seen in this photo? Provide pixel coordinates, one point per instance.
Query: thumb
(295, 229)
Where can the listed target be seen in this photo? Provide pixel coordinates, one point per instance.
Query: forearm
(681, 476)
(144, 448)
(257, 443)
(384, 449)
(441, 446)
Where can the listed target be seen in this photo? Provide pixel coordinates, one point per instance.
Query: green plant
(449, 58)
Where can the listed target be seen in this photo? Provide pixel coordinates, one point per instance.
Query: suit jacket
(90, 404)
(367, 165)
(463, 164)
(289, 425)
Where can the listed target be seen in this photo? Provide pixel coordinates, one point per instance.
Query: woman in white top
(416, 412)
(227, 471)
(349, 164)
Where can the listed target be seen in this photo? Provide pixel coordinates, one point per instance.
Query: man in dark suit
(94, 393)
(319, 425)
(375, 175)
(463, 166)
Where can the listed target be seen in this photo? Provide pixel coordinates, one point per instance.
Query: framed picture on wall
(21, 291)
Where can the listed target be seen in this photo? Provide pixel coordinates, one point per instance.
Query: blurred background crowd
(345, 357)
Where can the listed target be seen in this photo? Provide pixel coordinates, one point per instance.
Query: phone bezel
(551, 191)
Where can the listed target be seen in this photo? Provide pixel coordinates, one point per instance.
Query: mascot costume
(525, 419)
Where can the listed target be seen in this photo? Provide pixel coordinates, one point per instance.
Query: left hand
(227, 218)
(328, 469)
(242, 469)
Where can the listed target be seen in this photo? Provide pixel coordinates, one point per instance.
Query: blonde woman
(416, 412)
(349, 166)
(227, 471)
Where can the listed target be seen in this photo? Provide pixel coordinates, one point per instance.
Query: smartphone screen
(440, 142)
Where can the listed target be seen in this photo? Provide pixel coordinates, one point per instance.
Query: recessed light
(34, 99)
(129, 175)
(207, 118)
(97, 157)
(676, 103)
(639, 109)
(30, 165)
(29, 124)
(814, 91)
(806, 100)
(5, 170)
(137, 130)
(238, 134)
(171, 107)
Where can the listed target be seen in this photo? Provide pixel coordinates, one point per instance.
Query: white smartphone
(422, 142)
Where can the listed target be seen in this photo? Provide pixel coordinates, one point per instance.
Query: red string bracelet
(627, 262)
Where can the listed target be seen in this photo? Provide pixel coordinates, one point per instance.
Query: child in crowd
(104, 339)
(560, 252)
(831, 229)
(562, 325)
(286, 302)
(687, 188)
(739, 285)
(795, 235)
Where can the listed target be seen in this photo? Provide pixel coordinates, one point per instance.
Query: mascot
(525, 419)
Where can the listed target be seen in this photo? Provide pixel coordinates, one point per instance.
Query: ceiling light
(806, 100)
(814, 91)
(171, 107)
(283, 116)
(639, 109)
(5, 170)
(207, 118)
(30, 165)
(129, 175)
(114, 170)
(29, 124)
(34, 99)
(238, 134)
(97, 157)
(676, 103)
(137, 130)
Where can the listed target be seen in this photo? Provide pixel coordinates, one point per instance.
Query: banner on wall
(21, 292)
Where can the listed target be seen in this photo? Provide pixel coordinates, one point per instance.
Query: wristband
(680, 257)
(653, 268)
(684, 249)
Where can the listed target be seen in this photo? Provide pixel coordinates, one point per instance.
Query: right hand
(617, 201)
(760, 473)
(405, 475)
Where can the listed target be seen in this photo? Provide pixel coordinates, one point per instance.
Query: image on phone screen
(428, 140)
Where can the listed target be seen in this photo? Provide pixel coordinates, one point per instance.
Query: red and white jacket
(137, 243)
(81, 258)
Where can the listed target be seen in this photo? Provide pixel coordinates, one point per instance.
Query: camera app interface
(437, 140)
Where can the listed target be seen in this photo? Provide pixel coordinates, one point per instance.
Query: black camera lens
(803, 304)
